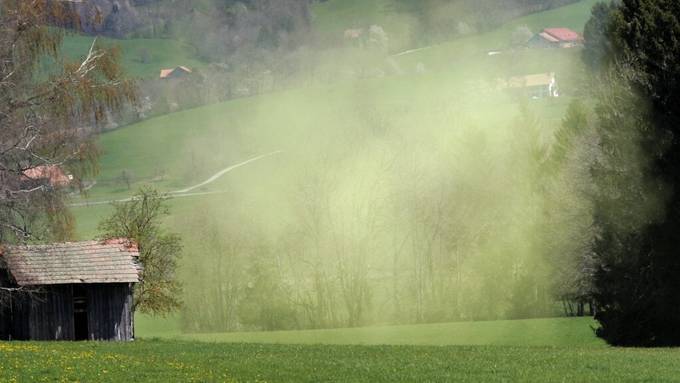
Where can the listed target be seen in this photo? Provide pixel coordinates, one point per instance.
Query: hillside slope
(246, 129)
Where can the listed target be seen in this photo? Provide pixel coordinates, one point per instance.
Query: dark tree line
(634, 47)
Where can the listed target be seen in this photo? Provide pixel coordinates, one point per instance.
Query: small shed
(177, 72)
(539, 85)
(69, 291)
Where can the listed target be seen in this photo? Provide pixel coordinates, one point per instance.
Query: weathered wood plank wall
(110, 312)
(4, 303)
(4, 322)
(50, 314)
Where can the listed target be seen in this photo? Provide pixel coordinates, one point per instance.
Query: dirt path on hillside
(225, 171)
(409, 51)
(187, 191)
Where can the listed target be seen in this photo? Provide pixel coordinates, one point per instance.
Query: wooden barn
(68, 291)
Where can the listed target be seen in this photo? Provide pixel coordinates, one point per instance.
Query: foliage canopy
(139, 219)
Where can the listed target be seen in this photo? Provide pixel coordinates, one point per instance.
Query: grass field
(164, 361)
(546, 350)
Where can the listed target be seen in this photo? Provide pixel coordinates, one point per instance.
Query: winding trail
(187, 192)
(409, 51)
(224, 171)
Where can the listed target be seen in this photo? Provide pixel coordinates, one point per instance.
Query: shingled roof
(111, 261)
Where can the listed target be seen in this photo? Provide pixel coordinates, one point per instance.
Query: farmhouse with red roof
(556, 38)
(49, 175)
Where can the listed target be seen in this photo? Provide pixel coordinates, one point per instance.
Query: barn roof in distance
(562, 34)
(110, 261)
(165, 73)
(54, 174)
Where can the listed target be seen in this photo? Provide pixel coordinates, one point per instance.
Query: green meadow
(157, 360)
(544, 350)
(445, 56)
(140, 58)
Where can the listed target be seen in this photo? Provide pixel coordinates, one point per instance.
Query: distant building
(540, 85)
(51, 175)
(556, 38)
(69, 291)
(178, 72)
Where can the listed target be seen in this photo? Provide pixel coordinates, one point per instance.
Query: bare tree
(47, 120)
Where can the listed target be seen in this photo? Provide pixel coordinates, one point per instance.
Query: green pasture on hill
(182, 149)
(331, 18)
(141, 58)
(445, 56)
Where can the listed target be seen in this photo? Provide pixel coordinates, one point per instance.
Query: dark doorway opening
(80, 313)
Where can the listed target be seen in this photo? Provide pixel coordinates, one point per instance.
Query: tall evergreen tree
(598, 47)
(637, 288)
